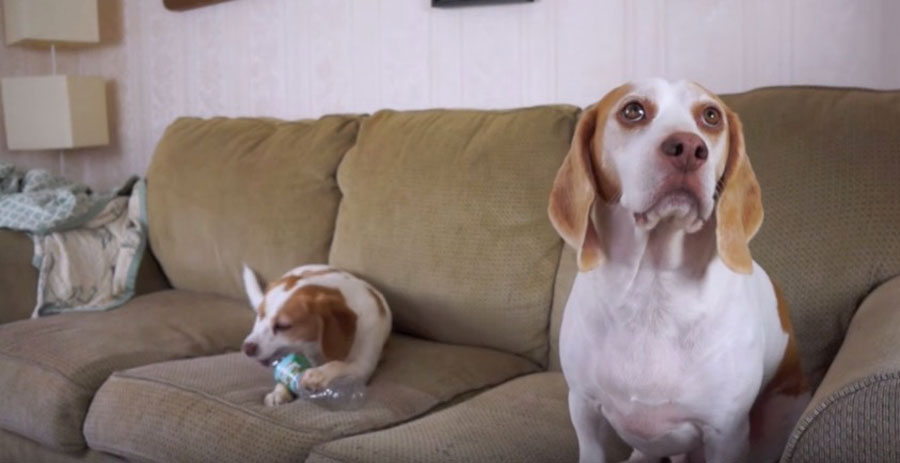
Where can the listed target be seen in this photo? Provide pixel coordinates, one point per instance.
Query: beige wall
(300, 58)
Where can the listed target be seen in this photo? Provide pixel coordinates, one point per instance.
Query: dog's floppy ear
(579, 181)
(739, 211)
(252, 287)
(338, 324)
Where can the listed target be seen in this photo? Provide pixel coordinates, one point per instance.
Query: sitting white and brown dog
(336, 320)
(672, 337)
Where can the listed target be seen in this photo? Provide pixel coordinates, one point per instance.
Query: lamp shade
(50, 21)
(54, 112)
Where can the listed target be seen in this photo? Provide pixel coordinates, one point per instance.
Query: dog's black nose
(686, 151)
(250, 349)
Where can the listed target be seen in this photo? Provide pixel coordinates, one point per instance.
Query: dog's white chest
(654, 360)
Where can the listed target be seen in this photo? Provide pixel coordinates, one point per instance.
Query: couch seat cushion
(524, 420)
(211, 409)
(17, 449)
(263, 188)
(445, 211)
(51, 367)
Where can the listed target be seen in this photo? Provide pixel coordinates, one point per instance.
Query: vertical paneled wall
(304, 58)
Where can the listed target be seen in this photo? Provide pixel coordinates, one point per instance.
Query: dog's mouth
(681, 205)
(277, 355)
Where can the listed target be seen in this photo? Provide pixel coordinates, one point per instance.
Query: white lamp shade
(54, 112)
(50, 21)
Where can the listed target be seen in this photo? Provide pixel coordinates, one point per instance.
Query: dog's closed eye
(280, 326)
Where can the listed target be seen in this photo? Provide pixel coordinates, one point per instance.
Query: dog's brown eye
(279, 326)
(633, 112)
(711, 116)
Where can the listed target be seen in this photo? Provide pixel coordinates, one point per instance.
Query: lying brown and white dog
(672, 337)
(338, 321)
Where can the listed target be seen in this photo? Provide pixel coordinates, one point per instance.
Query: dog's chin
(680, 209)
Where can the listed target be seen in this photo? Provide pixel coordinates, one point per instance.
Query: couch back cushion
(828, 163)
(261, 191)
(446, 212)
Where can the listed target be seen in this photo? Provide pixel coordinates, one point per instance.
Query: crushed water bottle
(340, 395)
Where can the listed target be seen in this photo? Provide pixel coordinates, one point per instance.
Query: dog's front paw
(280, 395)
(315, 380)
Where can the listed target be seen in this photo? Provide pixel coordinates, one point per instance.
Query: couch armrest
(853, 416)
(18, 278)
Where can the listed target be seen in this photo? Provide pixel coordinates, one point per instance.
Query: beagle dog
(672, 337)
(338, 321)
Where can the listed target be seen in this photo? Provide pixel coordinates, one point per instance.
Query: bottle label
(290, 369)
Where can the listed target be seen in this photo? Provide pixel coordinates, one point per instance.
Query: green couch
(444, 211)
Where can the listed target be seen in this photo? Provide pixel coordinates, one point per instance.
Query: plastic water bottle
(340, 395)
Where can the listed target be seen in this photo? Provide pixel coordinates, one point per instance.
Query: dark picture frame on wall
(453, 3)
(181, 5)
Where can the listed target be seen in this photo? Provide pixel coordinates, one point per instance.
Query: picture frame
(458, 3)
(181, 5)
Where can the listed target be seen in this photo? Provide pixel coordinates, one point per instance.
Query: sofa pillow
(828, 163)
(446, 212)
(225, 191)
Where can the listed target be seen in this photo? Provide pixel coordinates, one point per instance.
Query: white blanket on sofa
(87, 247)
